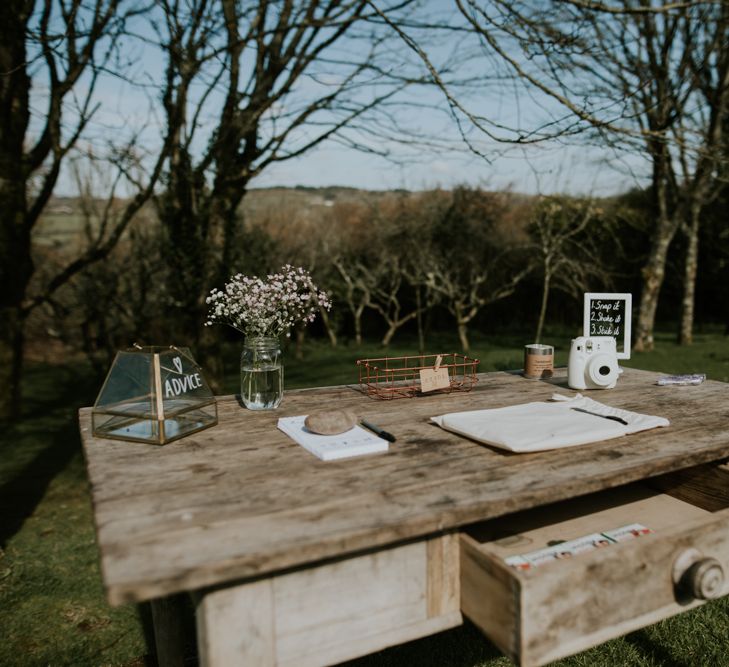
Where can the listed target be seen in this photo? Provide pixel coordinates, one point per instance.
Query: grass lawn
(52, 608)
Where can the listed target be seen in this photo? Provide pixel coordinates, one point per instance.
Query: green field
(52, 609)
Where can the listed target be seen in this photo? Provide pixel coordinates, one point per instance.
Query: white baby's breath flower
(268, 307)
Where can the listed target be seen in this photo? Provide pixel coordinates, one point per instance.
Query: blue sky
(541, 170)
(545, 168)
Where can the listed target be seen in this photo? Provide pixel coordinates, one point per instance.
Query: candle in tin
(538, 361)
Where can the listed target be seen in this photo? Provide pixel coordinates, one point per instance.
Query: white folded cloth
(534, 427)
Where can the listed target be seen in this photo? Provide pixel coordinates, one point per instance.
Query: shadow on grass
(20, 496)
(49, 420)
(463, 646)
(655, 652)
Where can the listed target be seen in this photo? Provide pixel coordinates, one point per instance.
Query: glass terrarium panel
(128, 388)
(154, 394)
(182, 384)
(136, 428)
(159, 432)
(190, 422)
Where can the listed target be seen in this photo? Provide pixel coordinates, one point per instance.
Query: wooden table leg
(167, 616)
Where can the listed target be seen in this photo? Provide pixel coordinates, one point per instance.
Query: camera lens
(604, 370)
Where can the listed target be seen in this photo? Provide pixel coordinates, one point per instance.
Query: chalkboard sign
(608, 314)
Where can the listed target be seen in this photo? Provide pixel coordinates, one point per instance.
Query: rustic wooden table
(292, 560)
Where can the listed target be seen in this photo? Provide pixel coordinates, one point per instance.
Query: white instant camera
(593, 363)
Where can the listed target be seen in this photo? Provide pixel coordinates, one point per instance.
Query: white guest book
(355, 442)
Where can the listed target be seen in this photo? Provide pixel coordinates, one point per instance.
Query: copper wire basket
(399, 377)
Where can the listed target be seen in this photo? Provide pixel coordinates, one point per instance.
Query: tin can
(538, 361)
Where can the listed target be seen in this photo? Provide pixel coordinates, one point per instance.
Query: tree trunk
(205, 268)
(16, 268)
(655, 268)
(685, 335)
(328, 327)
(16, 265)
(11, 362)
(653, 275)
(462, 327)
(419, 306)
(208, 356)
(200, 230)
(463, 336)
(299, 347)
(357, 313)
(543, 307)
(387, 338)
(358, 327)
(394, 325)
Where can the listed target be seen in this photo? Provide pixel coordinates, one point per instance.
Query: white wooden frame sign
(604, 315)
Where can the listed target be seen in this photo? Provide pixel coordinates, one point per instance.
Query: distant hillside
(258, 199)
(63, 220)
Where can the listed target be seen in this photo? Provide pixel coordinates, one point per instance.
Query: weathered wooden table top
(241, 499)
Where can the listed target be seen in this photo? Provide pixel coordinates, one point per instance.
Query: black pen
(378, 430)
(597, 414)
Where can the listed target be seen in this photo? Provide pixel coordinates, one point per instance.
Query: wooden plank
(443, 576)
(320, 611)
(491, 596)
(222, 614)
(357, 646)
(567, 606)
(706, 486)
(329, 613)
(241, 500)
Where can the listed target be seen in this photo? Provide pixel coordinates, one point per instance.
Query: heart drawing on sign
(178, 364)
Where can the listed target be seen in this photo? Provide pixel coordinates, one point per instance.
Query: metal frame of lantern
(160, 413)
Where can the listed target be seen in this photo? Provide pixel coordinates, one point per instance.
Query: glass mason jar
(261, 373)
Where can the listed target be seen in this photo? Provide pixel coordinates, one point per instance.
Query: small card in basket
(434, 378)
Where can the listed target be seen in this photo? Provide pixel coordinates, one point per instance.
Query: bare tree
(388, 279)
(373, 277)
(702, 171)
(567, 251)
(357, 292)
(349, 236)
(648, 78)
(311, 245)
(423, 252)
(64, 46)
(395, 260)
(277, 79)
(474, 257)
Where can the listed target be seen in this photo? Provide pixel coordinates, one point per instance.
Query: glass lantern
(155, 395)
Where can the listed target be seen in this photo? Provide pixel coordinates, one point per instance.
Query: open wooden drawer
(567, 605)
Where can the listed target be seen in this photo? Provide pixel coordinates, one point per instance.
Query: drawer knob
(704, 580)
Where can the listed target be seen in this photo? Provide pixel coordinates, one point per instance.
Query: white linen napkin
(534, 427)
